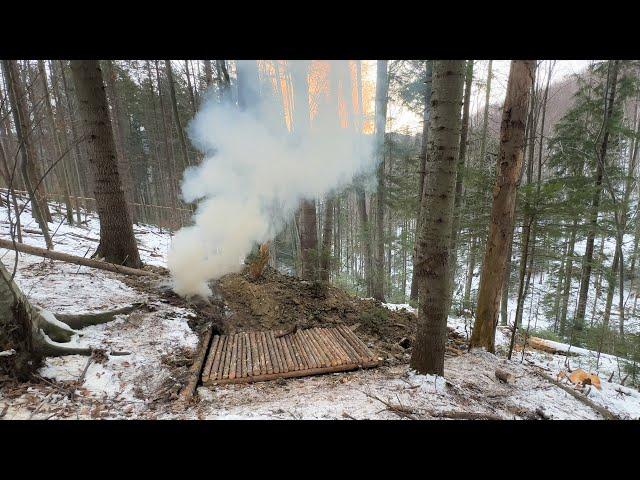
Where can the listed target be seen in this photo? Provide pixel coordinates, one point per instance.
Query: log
(606, 413)
(65, 257)
(504, 376)
(196, 368)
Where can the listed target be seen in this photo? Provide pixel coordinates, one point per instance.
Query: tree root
(83, 320)
(54, 332)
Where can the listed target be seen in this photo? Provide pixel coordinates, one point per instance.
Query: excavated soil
(277, 301)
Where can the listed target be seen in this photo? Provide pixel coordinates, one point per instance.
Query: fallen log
(606, 413)
(196, 368)
(65, 257)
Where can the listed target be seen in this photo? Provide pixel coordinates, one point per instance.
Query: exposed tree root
(83, 320)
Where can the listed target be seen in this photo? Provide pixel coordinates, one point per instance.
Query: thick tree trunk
(309, 240)
(117, 123)
(301, 124)
(610, 93)
(327, 232)
(512, 138)
(117, 242)
(433, 267)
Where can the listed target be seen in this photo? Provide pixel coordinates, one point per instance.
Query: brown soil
(277, 301)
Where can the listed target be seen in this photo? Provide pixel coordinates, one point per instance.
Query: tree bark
(512, 138)
(124, 164)
(117, 241)
(433, 267)
(327, 232)
(423, 159)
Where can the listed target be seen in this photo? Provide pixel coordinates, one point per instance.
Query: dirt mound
(277, 301)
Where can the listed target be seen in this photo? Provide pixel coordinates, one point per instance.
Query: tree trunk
(504, 302)
(610, 93)
(512, 138)
(485, 122)
(301, 123)
(62, 167)
(382, 89)
(117, 241)
(327, 232)
(433, 267)
(176, 115)
(23, 129)
(124, 164)
(457, 207)
(75, 140)
(423, 158)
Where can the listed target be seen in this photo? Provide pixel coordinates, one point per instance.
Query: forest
(319, 239)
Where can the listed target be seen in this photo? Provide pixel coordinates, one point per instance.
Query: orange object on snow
(581, 378)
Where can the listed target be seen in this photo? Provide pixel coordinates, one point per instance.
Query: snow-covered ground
(143, 383)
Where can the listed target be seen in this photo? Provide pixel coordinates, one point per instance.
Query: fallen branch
(456, 415)
(64, 257)
(398, 409)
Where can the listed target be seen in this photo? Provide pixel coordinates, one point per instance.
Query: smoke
(252, 179)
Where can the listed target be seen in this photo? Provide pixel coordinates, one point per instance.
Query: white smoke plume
(252, 180)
